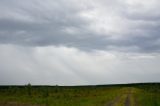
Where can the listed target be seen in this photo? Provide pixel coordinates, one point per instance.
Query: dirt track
(128, 101)
(117, 100)
(122, 100)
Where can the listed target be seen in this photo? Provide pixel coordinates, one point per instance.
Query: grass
(59, 96)
(148, 95)
(140, 94)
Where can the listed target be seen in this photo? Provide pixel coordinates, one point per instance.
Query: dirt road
(125, 99)
(128, 100)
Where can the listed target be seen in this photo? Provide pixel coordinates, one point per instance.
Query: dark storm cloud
(75, 23)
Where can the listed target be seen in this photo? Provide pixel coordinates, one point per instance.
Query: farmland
(146, 94)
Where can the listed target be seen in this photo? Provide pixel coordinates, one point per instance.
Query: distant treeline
(81, 86)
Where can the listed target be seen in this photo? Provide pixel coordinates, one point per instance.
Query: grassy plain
(147, 94)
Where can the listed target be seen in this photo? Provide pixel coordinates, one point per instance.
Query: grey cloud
(43, 23)
(142, 10)
(73, 42)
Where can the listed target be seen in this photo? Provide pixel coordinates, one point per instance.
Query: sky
(79, 42)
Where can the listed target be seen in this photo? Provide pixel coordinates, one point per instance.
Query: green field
(147, 94)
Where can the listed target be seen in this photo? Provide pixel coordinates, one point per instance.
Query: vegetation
(106, 95)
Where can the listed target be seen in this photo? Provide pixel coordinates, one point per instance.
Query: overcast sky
(79, 42)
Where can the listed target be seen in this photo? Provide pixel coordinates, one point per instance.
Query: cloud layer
(79, 42)
(125, 24)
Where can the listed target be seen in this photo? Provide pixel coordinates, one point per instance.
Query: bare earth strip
(128, 100)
